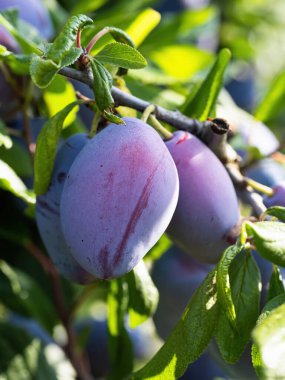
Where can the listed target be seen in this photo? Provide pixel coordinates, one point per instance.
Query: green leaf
(58, 95)
(190, 337)
(121, 55)
(43, 71)
(223, 282)
(158, 249)
(269, 240)
(102, 86)
(18, 63)
(121, 36)
(277, 211)
(5, 139)
(87, 6)
(20, 293)
(143, 24)
(113, 118)
(46, 148)
(143, 295)
(269, 338)
(201, 106)
(63, 45)
(255, 353)
(273, 101)
(245, 283)
(11, 182)
(18, 159)
(25, 357)
(120, 345)
(276, 286)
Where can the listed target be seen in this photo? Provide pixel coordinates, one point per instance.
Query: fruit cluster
(113, 196)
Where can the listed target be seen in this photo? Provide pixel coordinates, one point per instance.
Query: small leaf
(64, 42)
(269, 338)
(245, 283)
(201, 106)
(143, 24)
(276, 286)
(120, 345)
(46, 148)
(43, 71)
(102, 86)
(11, 182)
(121, 55)
(143, 295)
(113, 118)
(273, 102)
(277, 211)
(269, 239)
(190, 337)
(223, 282)
(120, 35)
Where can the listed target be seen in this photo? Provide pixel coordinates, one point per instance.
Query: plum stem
(259, 187)
(147, 116)
(78, 38)
(95, 123)
(96, 38)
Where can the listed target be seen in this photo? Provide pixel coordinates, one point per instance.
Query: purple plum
(176, 276)
(207, 207)
(33, 12)
(118, 198)
(278, 198)
(267, 171)
(48, 213)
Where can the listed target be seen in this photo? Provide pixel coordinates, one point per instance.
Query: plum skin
(207, 206)
(48, 213)
(118, 198)
(278, 198)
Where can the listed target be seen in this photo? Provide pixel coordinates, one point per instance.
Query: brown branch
(63, 313)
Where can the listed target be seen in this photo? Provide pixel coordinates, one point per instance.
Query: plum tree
(118, 198)
(96, 346)
(48, 213)
(183, 275)
(201, 222)
(33, 12)
(267, 171)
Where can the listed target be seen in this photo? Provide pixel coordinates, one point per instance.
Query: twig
(61, 308)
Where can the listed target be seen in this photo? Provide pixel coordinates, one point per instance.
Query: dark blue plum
(267, 171)
(48, 213)
(207, 206)
(278, 198)
(176, 276)
(118, 198)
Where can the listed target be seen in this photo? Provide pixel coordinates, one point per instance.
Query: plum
(33, 12)
(207, 206)
(278, 198)
(118, 198)
(48, 213)
(176, 276)
(96, 347)
(266, 171)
